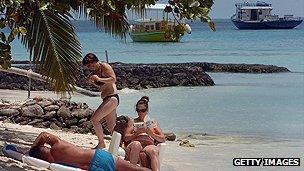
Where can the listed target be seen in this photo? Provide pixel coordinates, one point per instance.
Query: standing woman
(103, 76)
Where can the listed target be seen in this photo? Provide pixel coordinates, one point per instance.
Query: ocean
(263, 106)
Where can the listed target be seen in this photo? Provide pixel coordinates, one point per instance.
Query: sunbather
(64, 152)
(143, 139)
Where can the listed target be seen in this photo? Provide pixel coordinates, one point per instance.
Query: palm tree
(45, 29)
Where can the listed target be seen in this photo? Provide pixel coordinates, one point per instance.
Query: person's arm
(108, 72)
(45, 138)
(156, 133)
(130, 133)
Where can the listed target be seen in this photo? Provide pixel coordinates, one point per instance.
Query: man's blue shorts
(102, 161)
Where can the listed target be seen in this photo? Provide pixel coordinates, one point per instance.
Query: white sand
(210, 153)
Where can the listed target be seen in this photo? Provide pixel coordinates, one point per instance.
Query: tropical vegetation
(45, 29)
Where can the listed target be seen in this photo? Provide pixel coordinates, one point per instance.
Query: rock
(82, 120)
(35, 121)
(39, 125)
(2, 118)
(49, 115)
(24, 122)
(170, 136)
(51, 108)
(186, 143)
(38, 98)
(73, 129)
(83, 130)
(46, 124)
(70, 122)
(64, 112)
(82, 113)
(30, 103)
(34, 111)
(9, 112)
(21, 119)
(54, 126)
(7, 120)
(86, 124)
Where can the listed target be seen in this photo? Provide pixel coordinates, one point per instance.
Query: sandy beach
(209, 153)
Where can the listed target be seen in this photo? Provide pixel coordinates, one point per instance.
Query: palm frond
(54, 45)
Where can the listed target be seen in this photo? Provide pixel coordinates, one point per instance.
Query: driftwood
(36, 76)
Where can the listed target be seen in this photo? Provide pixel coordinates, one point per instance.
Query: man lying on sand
(64, 152)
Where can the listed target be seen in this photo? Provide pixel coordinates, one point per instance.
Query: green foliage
(196, 9)
(45, 29)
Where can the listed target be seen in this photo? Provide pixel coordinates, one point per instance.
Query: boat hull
(156, 36)
(278, 24)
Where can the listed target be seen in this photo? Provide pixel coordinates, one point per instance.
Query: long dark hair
(121, 126)
(143, 100)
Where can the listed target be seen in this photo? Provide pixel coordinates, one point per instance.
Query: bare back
(66, 153)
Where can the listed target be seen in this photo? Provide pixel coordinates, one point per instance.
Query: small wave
(127, 91)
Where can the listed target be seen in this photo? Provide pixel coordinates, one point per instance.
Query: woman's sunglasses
(141, 110)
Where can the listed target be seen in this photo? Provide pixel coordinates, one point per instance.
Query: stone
(82, 113)
(170, 136)
(7, 120)
(73, 129)
(24, 123)
(34, 111)
(64, 112)
(49, 115)
(186, 143)
(46, 123)
(86, 124)
(54, 126)
(30, 103)
(2, 118)
(51, 108)
(35, 121)
(9, 112)
(70, 122)
(21, 119)
(82, 120)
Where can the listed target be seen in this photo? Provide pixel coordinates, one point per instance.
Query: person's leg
(102, 111)
(133, 150)
(111, 120)
(153, 152)
(122, 165)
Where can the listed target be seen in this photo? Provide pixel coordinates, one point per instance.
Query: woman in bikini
(103, 76)
(143, 139)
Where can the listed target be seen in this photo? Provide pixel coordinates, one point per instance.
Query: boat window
(146, 27)
(157, 26)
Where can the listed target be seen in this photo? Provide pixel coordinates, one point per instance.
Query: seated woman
(143, 139)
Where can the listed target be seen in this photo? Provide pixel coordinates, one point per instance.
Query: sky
(225, 8)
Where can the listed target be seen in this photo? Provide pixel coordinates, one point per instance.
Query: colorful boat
(158, 30)
(258, 16)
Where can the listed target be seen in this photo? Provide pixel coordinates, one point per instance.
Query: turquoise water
(262, 105)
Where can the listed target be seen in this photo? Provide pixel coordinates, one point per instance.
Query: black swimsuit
(113, 95)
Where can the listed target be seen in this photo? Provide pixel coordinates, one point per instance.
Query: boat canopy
(255, 7)
(156, 7)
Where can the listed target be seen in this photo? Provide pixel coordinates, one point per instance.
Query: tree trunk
(39, 77)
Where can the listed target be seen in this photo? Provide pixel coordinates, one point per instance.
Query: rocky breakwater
(48, 113)
(142, 76)
(55, 114)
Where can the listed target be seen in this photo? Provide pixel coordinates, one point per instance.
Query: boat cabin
(254, 11)
(148, 25)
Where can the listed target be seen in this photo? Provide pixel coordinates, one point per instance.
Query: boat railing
(256, 4)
